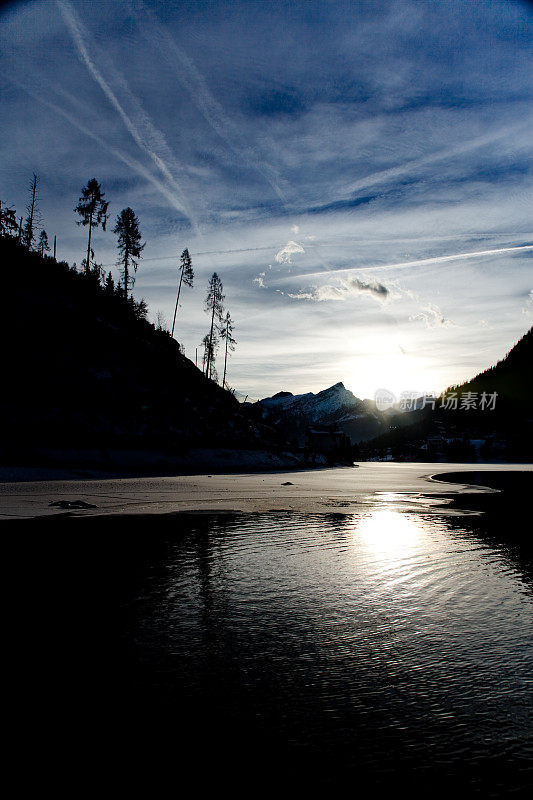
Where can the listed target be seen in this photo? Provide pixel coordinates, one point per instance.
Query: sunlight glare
(388, 533)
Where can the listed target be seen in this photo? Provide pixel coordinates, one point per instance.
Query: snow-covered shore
(341, 490)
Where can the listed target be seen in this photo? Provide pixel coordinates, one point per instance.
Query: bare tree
(226, 331)
(186, 276)
(92, 208)
(214, 306)
(129, 245)
(34, 216)
(161, 321)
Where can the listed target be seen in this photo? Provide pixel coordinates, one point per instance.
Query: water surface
(388, 645)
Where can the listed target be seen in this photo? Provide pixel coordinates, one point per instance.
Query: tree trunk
(225, 360)
(126, 259)
(177, 303)
(210, 342)
(87, 263)
(32, 212)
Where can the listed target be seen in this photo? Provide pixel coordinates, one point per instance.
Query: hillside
(86, 375)
(504, 432)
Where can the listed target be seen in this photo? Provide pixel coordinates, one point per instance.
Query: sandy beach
(345, 489)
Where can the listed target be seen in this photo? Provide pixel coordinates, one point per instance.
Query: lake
(389, 645)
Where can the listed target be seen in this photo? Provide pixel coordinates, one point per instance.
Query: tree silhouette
(42, 245)
(226, 331)
(92, 208)
(209, 343)
(186, 277)
(213, 305)
(109, 285)
(8, 221)
(129, 245)
(34, 217)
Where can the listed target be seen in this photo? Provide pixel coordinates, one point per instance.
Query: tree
(161, 322)
(8, 221)
(34, 215)
(186, 276)
(92, 208)
(43, 246)
(214, 306)
(226, 331)
(209, 343)
(129, 246)
(109, 284)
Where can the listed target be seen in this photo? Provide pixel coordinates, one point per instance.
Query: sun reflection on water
(388, 533)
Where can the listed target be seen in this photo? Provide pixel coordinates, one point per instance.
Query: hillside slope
(502, 432)
(84, 369)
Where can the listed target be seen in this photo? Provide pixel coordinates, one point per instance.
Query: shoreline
(312, 491)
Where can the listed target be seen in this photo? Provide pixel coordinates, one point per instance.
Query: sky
(357, 172)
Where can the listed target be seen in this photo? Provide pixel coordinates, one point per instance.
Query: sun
(398, 372)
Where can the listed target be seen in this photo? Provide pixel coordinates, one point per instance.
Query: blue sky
(358, 173)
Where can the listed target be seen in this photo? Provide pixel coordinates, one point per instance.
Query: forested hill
(511, 378)
(496, 425)
(83, 370)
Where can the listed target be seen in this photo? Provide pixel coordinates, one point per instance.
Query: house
(327, 440)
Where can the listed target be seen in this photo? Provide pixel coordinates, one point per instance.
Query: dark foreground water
(389, 648)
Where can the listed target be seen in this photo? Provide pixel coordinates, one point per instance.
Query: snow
(316, 407)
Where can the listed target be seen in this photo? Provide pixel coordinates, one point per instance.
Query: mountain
(86, 378)
(294, 414)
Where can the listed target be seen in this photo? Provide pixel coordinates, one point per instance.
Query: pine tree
(209, 343)
(129, 246)
(8, 221)
(186, 276)
(213, 305)
(34, 215)
(92, 208)
(226, 331)
(109, 284)
(43, 246)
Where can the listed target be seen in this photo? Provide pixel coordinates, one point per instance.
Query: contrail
(78, 33)
(206, 103)
(441, 155)
(129, 161)
(404, 264)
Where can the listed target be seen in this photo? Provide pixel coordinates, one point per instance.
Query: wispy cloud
(260, 280)
(129, 161)
(416, 165)
(528, 307)
(211, 109)
(343, 290)
(424, 261)
(283, 256)
(138, 123)
(432, 317)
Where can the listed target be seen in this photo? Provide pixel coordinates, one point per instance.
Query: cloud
(432, 317)
(260, 280)
(344, 290)
(433, 260)
(373, 287)
(284, 255)
(211, 109)
(528, 308)
(137, 122)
